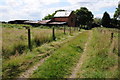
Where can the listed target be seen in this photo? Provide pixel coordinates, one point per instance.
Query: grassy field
(102, 55)
(101, 60)
(16, 56)
(15, 40)
(59, 65)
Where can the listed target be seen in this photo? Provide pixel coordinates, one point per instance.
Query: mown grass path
(63, 60)
(30, 71)
(82, 58)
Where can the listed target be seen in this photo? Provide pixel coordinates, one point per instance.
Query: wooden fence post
(111, 36)
(53, 33)
(29, 40)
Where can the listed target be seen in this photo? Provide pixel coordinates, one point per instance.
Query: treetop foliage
(117, 12)
(106, 20)
(50, 16)
(84, 16)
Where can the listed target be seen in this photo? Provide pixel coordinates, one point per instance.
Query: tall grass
(19, 63)
(41, 36)
(14, 25)
(14, 40)
(16, 57)
(101, 61)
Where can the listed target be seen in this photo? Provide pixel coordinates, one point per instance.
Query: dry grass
(15, 52)
(15, 39)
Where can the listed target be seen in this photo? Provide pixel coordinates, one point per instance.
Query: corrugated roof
(62, 14)
(44, 21)
(30, 21)
(57, 22)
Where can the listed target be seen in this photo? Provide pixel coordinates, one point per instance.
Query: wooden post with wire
(29, 38)
(112, 36)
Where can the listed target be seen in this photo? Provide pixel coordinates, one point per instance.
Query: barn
(61, 18)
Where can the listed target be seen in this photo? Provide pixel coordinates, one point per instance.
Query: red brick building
(63, 18)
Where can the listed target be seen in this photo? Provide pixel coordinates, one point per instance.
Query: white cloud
(37, 9)
(23, 9)
(76, 1)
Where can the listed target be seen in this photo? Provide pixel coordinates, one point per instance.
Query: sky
(37, 9)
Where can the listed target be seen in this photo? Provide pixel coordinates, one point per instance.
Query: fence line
(53, 34)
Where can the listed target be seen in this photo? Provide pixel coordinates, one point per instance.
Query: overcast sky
(37, 9)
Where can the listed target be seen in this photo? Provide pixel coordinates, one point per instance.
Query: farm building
(61, 18)
(17, 21)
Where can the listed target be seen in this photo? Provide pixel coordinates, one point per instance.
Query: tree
(117, 12)
(114, 23)
(83, 16)
(106, 20)
(117, 16)
(50, 16)
(97, 20)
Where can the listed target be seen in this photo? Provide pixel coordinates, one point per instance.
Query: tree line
(85, 18)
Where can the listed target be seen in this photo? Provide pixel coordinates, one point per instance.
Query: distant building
(17, 21)
(65, 17)
(29, 22)
(61, 18)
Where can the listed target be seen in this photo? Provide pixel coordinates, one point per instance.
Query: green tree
(114, 23)
(117, 12)
(117, 16)
(97, 20)
(83, 16)
(50, 16)
(106, 20)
